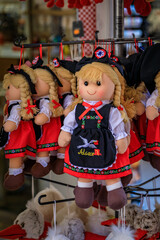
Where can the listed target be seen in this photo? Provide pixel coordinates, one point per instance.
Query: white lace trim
(42, 162)
(15, 171)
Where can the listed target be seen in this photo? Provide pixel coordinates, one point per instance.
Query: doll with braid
(48, 117)
(17, 134)
(95, 132)
(64, 70)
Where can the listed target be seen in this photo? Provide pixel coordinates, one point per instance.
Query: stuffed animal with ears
(64, 70)
(48, 117)
(96, 133)
(17, 134)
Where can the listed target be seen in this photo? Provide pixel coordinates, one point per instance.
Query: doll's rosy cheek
(101, 93)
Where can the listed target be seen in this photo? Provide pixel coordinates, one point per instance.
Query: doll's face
(42, 88)
(66, 87)
(96, 91)
(13, 93)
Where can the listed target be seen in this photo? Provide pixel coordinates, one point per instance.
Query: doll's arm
(13, 120)
(44, 114)
(141, 106)
(67, 103)
(64, 139)
(151, 108)
(117, 127)
(67, 129)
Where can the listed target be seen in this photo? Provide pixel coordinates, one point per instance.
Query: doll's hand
(140, 108)
(122, 145)
(64, 139)
(151, 113)
(9, 126)
(41, 119)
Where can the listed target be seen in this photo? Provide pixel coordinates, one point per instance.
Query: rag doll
(64, 70)
(48, 117)
(95, 130)
(17, 134)
(150, 75)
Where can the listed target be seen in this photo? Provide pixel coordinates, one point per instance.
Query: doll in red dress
(48, 117)
(65, 71)
(17, 133)
(95, 130)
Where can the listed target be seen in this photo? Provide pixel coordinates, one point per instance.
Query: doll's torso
(92, 144)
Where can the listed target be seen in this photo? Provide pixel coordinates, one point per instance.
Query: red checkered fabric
(88, 16)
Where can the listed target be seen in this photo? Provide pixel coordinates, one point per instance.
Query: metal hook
(96, 35)
(51, 202)
(17, 41)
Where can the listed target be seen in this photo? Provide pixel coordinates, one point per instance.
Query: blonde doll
(18, 133)
(48, 117)
(64, 70)
(96, 132)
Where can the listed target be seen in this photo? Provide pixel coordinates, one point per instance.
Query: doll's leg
(116, 195)
(96, 188)
(42, 165)
(14, 179)
(58, 165)
(155, 161)
(84, 194)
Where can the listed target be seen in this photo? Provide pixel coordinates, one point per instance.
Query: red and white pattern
(88, 16)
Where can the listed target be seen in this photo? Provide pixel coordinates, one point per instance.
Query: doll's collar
(14, 101)
(94, 102)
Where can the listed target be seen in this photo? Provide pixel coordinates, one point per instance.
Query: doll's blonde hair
(46, 76)
(93, 72)
(127, 103)
(62, 72)
(137, 94)
(157, 81)
(19, 81)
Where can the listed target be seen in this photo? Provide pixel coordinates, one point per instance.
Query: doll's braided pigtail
(27, 110)
(116, 101)
(55, 107)
(77, 100)
(127, 103)
(157, 81)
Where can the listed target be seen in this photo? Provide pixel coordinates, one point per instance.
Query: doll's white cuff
(120, 136)
(151, 103)
(67, 129)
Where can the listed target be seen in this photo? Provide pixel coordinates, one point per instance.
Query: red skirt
(153, 136)
(49, 138)
(119, 169)
(21, 141)
(135, 149)
(141, 125)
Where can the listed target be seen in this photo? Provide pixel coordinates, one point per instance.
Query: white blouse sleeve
(146, 97)
(67, 101)
(15, 115)
(45, 109)
(116, 124)
(70, 122)
(151, 101)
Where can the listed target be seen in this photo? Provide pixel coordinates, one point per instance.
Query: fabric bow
(89, 107)
(29, 107)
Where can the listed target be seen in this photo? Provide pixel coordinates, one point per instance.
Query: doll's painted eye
(86, 83)
(8, 87)
(98, 83)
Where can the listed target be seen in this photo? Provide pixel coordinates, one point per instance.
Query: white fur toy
(122, 233)
(55, 235)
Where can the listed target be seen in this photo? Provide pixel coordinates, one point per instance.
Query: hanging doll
(17, 133)
(150, 75)
(48, 117)
(96, 133)
(64, 70)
